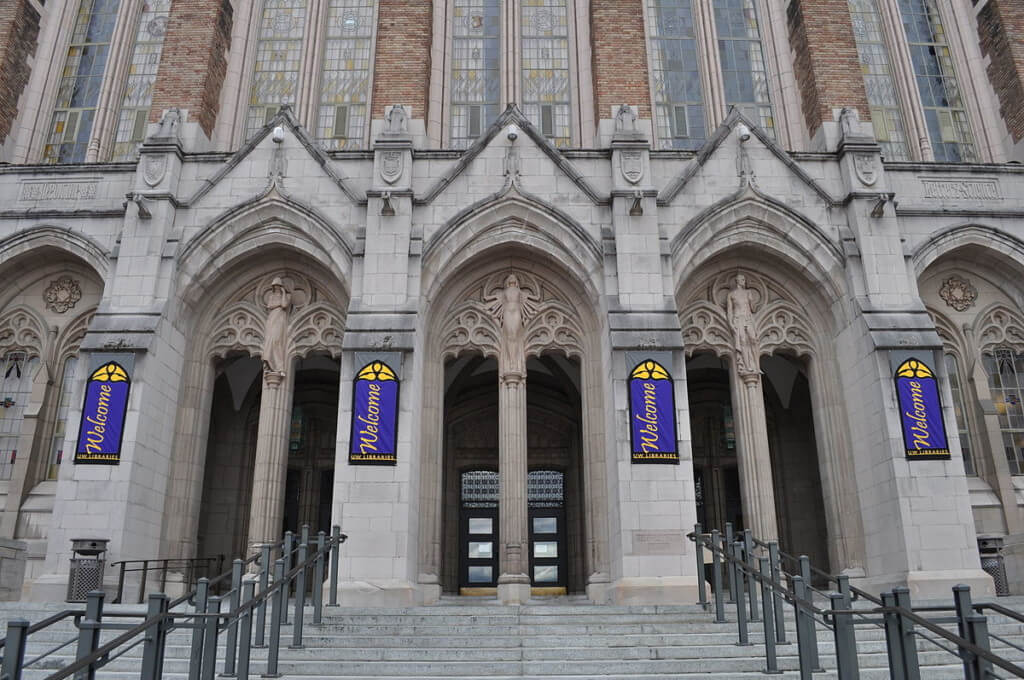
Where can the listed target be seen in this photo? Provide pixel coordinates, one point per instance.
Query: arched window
(1005, 371)
(336, 101)
(61, 421)
(537, 73)
(963, 424)
(688, 61)
(138, 88)
(17, 373)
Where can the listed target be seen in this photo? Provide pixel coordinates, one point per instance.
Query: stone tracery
(1000, 327)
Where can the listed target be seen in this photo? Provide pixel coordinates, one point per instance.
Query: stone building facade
(262, 220)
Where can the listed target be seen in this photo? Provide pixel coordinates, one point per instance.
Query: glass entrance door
(545, 493)
(478, 533)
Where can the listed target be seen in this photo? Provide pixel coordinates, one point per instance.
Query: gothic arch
(559, 317)
(1000, 245)
(72, 244)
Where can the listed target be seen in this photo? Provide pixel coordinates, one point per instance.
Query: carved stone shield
(391, 164)
(153, 169)
(864, 166)
(632, 166)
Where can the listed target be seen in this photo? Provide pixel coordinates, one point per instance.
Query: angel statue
(512, 306)
(740, 309)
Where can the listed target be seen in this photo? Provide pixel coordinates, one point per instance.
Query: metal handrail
(166, 565)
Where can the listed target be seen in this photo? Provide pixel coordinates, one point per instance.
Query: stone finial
(396, 120)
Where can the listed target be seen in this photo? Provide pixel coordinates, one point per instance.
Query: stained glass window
(883, 100)
(345, 84)
(138, 91)
(60, 427)
(963, 429)
(742, 59)
(545, 63)
(275, 79)
(948, 127)
(80, 82)
(17, 373)
(476, 68)
(675, 71)
(1005, 371)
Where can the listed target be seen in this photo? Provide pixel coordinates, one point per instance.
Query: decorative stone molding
(958, 293)
(1001, 327)
(62, 294)
(865, 165)
(22, 331)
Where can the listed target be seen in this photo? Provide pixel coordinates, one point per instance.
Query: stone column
(756, 487)
(513, 533)
(267, 511)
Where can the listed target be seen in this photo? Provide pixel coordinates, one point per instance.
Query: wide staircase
(552, 638)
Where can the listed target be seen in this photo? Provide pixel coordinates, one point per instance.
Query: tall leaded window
(61, 420)
(963, 427)
(883, 99)
(545, 68)
(675, 72)
(345, 78)
(1005, 371)
(142, 69)
(476, 68)
(742, 57)
(275, 79)
(80, 82)
(17, 373)
(945, 115)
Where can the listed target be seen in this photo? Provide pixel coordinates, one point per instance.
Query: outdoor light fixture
(278, 135)
(743, 132)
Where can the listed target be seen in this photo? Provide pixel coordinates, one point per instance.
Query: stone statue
(625, 119)
(510, 308)
(396, 121)
(512, 161)
(168, 126)
(740, 310)
(275, 336)
(849, 122)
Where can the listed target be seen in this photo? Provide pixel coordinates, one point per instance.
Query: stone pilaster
(514, 537)
(756, 487)
(267, 512)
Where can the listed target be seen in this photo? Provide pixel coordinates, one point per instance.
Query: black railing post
(846, 642)
(120, 585)
(212, 629)
(911, 666)
(198, 628)
(779, 601)
(163, 578)
(962, 603)
(14, 650)
(142, 582)
(335, 557)
(702, 592)
(300, 598)
(812, 633)
(978, 626)
(261, 611)
(751, 560)
(153, 647)
(289, 546)
(764, 569)
(741, 596)
(318, 578)
(728, 551)
(89, 632)
(803, 644)
(716, 576)
(237, 567)
(893, 637)
(278, 604)
(245, 629)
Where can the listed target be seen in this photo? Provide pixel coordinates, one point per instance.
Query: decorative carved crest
(1001, 327)
(632, 165)
(62, 294)
(391, 165)
(866, 168)
(958, 293)
(154, 167)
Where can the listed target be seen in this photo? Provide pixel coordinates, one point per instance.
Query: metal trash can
(87, 562)
(990, 548)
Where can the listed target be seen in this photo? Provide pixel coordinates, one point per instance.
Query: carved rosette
(1001, 327)
(958, 293)
(779, 322)
(62, 294)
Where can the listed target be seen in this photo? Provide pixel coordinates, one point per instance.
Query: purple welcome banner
(374, 416)
(103, 413)
(924, 429)
(652, 414)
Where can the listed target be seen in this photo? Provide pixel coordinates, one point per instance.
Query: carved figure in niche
(168, 127)
(625, 119)
(740, 310)
(512, 161)
(396, 122)
(510, 310)
(849, 122)
(275, 339)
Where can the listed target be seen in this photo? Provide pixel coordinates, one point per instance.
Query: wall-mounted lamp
(387, 210)
(277, 135)
(512, 132)
(743, 132)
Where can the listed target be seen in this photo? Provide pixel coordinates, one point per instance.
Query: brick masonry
(194, 60)
(1000, 27)
(619, 56)
(825, 60)
(402, 62)
(19, 32)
